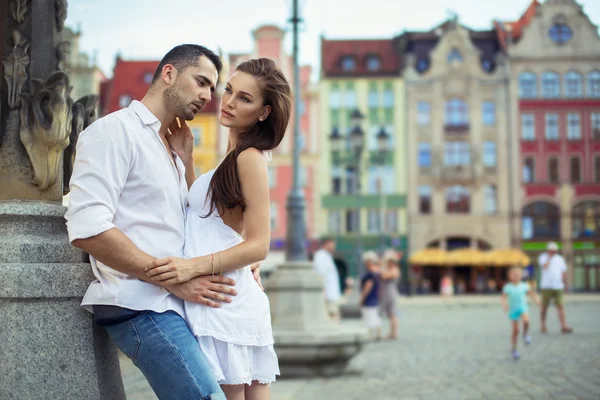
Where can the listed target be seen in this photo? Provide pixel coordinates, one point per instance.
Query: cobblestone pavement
(456, 352)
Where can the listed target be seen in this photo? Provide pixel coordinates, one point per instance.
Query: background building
(362, 188)
(554, 52)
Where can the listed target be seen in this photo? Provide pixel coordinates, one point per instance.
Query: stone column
(50, 349)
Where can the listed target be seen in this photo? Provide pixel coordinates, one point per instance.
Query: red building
(554, 53)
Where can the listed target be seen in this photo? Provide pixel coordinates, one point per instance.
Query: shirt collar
(142, 111)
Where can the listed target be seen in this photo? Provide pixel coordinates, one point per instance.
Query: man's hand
(172, 270)
(255, 268)
(208, 290)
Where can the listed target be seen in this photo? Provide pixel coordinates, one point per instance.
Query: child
(369, 296)
(517, 307)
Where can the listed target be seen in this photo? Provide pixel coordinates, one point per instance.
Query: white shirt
(124, 178)
(324, 265)
(552, 277)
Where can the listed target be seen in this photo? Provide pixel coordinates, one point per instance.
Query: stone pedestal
(307, 341)
(49, 346)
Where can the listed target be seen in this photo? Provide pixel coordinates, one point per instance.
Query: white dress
(236, 339)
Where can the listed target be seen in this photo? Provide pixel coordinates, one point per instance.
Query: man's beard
(177, 104)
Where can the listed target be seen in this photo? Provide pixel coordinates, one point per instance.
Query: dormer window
(373, 63)
(455, 56)
(348, 63)
(422, 65)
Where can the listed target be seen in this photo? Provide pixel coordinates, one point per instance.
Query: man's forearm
(114, 249)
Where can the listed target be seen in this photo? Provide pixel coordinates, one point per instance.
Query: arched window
(540, 220)
(573, 84)
(586, 220)
(527, 85)
(550, 85)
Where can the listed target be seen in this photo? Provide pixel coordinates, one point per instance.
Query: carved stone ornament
(84, 114)
(62, 53)
(60, 8)
(15, 64)
(45, 126)
(18, 8)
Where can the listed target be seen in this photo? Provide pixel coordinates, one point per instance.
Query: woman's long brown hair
(225, 191)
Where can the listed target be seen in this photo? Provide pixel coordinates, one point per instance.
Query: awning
(470, 257)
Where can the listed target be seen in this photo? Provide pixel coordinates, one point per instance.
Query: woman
(228, 229)
(369, 294)
(390, 275)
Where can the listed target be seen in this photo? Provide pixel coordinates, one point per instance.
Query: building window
(527, 85)
(374, 221)
(391, 221)
(490, 199)
(380, 179)
(335, 222)
(528, 170)
(575, 170)
(350, 99)
(527, 127)
(457, 153)
(593, 84)
(573, 84)
(458, 200)
(388, 96)
(553, 170)
(454, 56)
(489, 154)
(272, 177)
(373, 63)
(597, 169)
(124, 100)
(373, 97)
(457, 113)
(551, 126)
(540, 220)
(560, 33)
(423, 113)
(550, 85)
(352, 222)
(348, 63)
(424, 155)
(422, 65)
(595, 122)
(586, 220)
(148, 76)
(425, 199)
(573, 126)
(273, 215)
(489, 113)
(335, 99)
(197, 132)
(350, 181)
(336, 180)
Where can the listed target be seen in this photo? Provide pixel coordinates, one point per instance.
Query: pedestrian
(553, 284)
(369, 294)
(390, 275)
(514, 302)
(324, 264)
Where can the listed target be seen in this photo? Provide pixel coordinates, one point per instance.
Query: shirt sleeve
(505, 289)
(318, 263)
(542, 259)
(563, 266)
(103, 159)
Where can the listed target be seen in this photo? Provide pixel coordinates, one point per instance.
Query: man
(324, 264)
(127, 208)
(552, 284)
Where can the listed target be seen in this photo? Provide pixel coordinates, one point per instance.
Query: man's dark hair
(186, 55)
(326, 239)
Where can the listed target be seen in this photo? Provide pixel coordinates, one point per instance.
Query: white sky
(147, 29)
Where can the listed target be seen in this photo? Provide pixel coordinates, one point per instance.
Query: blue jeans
(164, 349)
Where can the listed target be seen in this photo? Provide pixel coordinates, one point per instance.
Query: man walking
(553, 283)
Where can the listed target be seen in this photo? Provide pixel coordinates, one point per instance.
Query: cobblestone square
(456, 352)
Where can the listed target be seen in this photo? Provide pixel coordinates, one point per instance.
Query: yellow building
(204, 127)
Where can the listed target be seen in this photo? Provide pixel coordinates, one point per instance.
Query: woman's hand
(172, 270)
(255, 268)
(181, 140)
